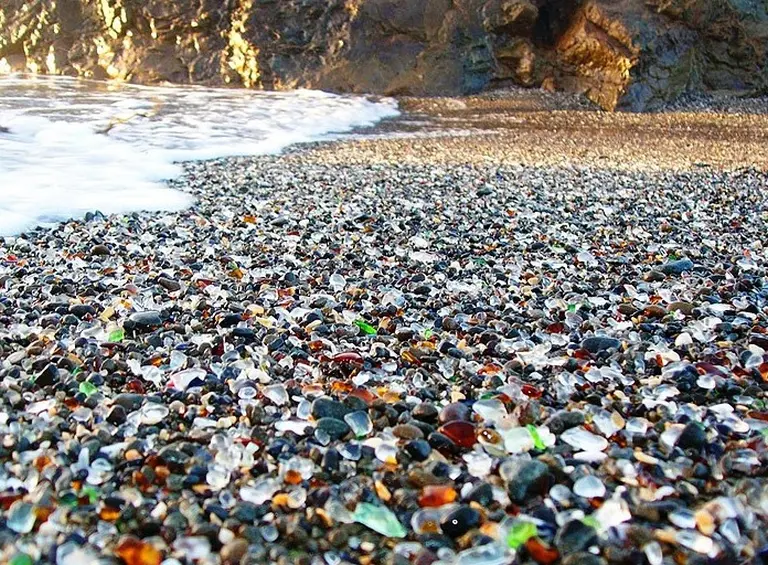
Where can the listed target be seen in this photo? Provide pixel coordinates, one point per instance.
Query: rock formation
(632, 54)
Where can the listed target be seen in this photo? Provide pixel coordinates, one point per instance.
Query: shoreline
(398, 350)
(536, 128)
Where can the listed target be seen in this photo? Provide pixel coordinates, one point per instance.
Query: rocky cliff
(631, 54)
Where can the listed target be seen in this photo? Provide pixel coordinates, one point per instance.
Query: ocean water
(76, 146)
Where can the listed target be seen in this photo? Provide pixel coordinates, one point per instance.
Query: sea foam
(77, 146)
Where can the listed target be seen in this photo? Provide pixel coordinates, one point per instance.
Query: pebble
(589, 487)
(169, 284)
(425, 411)
(21, 517)
(574, 537)
(234, 551)
(328, 408)
(676, 267)
(693, 436)
(359, 422)
(598, 344)
(128, 401)
(100, 250)
(48, 376)
(459, 521)
(418, 449)
(334, 427)
(146, 320)
(455, 411)
(532, 479)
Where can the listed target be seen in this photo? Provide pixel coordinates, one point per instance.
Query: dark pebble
(458, 522)
(676, 267)
(148, 319)
(598, 344)
(334, 427)
(532, 479)
(574, 537)
(325, 407)
(48, 376)
(129, 401)
(99, 250)
(418, 449)
(117, 415)
(482, 493)
(694, 436)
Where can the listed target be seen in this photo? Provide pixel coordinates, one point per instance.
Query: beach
(500, 329)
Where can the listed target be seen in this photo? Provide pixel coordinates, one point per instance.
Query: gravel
(381, 362)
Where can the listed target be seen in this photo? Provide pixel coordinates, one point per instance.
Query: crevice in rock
(554, 18)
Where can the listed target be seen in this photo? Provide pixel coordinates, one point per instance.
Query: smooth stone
(684, 307)
(246, 333)
(589, 486)
(230, 320)
(426, 412)
(21, 517)
(442, 443)
(574, 537)
(453, 412)
(330, 462)
(247, 512)
(482, 493)
(565, 420)
(583, 558)
(334, 427)
(655, 511)
(100, 250)
(48, 376)
(173, 456)
(676, 267)
(418, 449)
(147, 319)
(627, 309)
(169, 284)
(234, 551)
(654, 276)
(129, 401)
(694, 436)
(82, 310)
(598, 344)
(117, 415)
(325, 407)
(459, 521)
(531, 480)
(404, 334)
(654, 311)
(407, 431)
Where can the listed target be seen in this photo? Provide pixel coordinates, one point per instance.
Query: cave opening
(554, 18)
(543, 35)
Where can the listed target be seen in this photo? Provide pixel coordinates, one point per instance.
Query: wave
(76, 146)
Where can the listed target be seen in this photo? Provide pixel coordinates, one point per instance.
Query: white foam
(55, 164)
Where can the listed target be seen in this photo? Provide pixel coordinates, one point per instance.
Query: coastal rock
(632, 54)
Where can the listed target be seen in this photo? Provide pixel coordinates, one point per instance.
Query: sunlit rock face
(634, 54)
(142, 41)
